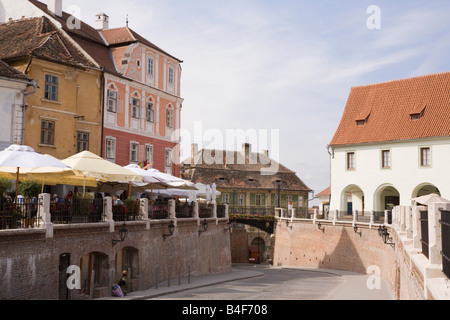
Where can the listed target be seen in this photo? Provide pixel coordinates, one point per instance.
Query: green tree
(5, 185)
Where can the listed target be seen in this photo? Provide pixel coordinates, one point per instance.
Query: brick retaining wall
(29, 261)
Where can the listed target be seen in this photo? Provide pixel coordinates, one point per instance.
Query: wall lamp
(355, 228)
(123, 231)
(171, 230)
(384, 234)
(320, 227)
(205, 227)
(231, 226)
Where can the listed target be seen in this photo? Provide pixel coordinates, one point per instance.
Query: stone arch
(127, 259)
(386, 197)
(352, 194)
(257, 249)
(94, 268)
(424, 189)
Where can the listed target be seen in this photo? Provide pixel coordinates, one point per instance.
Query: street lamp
(123, 231)
(171, 230)
(205, 227)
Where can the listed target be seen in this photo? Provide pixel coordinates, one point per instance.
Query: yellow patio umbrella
(93, 166)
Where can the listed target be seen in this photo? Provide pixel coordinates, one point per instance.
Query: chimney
(194, 151)
(101, 21)
(266, 152)
(55, 7)
(246, 149)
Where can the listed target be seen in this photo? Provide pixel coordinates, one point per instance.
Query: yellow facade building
(64, 116)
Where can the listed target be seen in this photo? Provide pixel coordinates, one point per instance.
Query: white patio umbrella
(213, 193)
(430, 198)
(22, 162)
(208, 193)
(172, 181)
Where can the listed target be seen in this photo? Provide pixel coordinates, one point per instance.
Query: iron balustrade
(205, 210)
(220, 211)
(445, 231)
(129, 211)
(424, 232)
(184, 210)
(158, 210)
(77, 210)
(23, 214)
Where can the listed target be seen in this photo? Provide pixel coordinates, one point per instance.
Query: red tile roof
(387, 108)
(125, 35)
(38, 37)
(9, 72)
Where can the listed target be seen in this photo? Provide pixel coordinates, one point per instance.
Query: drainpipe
(34, 83)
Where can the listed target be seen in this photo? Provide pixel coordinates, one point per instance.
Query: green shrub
(30, 189)
(5, 185)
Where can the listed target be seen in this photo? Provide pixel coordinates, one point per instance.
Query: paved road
(288, 284)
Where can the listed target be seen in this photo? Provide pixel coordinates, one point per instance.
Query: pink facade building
(142, 101)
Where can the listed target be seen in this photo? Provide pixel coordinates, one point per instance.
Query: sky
(283, 69)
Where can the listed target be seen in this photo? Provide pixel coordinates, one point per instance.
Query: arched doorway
(256, 250)
(352, 198)
(386, 197)
(94, 271)
(424, 189)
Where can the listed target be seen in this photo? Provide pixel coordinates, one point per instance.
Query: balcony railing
(77, 211)
(23, 214)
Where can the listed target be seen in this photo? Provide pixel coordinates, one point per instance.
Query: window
(350, 161)
(168, 158)
(135, 108)
(150, 112)
(148, 153)
(425, 157)
(386, 159)
(110, 148)
(134, 152)
(258, 201)
(241, 199)
(51, 87)
(225, 197)
(82, 141)
(150, 64)
(47, 132)
(112, 101)
(169, 117)
(171, 76)
(300, 201)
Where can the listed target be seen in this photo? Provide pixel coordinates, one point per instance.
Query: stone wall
(30, 258)
(336, 245)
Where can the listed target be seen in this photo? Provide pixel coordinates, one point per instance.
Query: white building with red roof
(392, 144)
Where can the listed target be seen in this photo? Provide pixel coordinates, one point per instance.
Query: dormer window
(417, 112)
(360, 122)
(363, 118)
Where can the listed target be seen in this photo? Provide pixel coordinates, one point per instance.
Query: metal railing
(445, 231)
(185, 210)
(23, 214)
(129, 211)
(77, 210)
(205, 210)
(158, 210)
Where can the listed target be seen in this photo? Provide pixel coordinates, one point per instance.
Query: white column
(107, 204)
(44, 211)
(143, 207)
